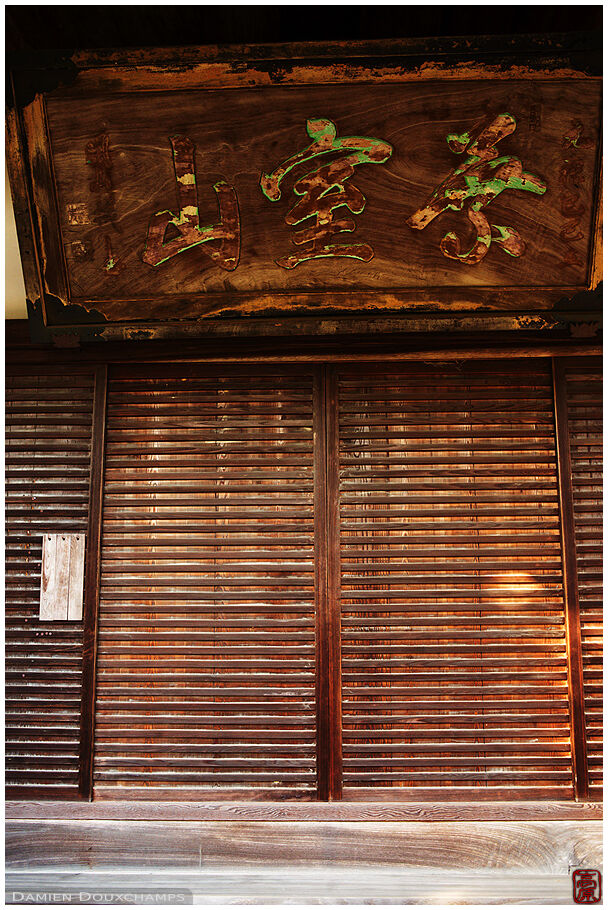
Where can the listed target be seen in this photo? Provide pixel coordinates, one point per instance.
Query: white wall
(14, 288)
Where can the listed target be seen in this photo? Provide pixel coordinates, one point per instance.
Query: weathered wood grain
(44, 213)
(76, 580)
(301, 63)
(62, 577)
(547, 847)
(16, 167)
(61, 593)
(305, 811)
(352, 884)
(50, 607)
(144, 74)
(266, 127)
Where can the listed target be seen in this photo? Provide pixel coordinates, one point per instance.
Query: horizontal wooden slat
(453, 653)
(48, 449)
(206, 662)
(583, 386)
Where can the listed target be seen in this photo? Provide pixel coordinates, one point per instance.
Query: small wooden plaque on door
(62, 578)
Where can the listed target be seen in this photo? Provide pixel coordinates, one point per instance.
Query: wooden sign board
(163, 194)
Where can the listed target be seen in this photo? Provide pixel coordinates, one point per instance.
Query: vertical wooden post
(334, 582)
(327, 585)
(91, 586)
(573, 622)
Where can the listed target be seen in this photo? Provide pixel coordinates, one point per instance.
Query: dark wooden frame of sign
(328, 629)
(31, 168)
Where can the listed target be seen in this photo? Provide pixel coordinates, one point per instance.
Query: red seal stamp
(586, 886)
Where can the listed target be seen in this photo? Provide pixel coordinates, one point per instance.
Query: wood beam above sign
(166, 194)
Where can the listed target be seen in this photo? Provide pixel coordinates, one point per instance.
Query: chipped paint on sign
(574, 137)
(222, 241)
(112, 263)
(473, 185)
(323, 190)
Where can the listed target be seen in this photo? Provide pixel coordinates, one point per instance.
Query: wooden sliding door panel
(453, 641)
(48, 468)
(583, 392)
(206, 660)
(247, 510)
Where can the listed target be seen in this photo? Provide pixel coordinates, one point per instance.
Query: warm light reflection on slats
(584, 399)
(206, 667)
(454, 658)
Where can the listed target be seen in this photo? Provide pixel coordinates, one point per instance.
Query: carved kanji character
(480, 178)
(221, 241)
(325, 189)
(97, 156)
